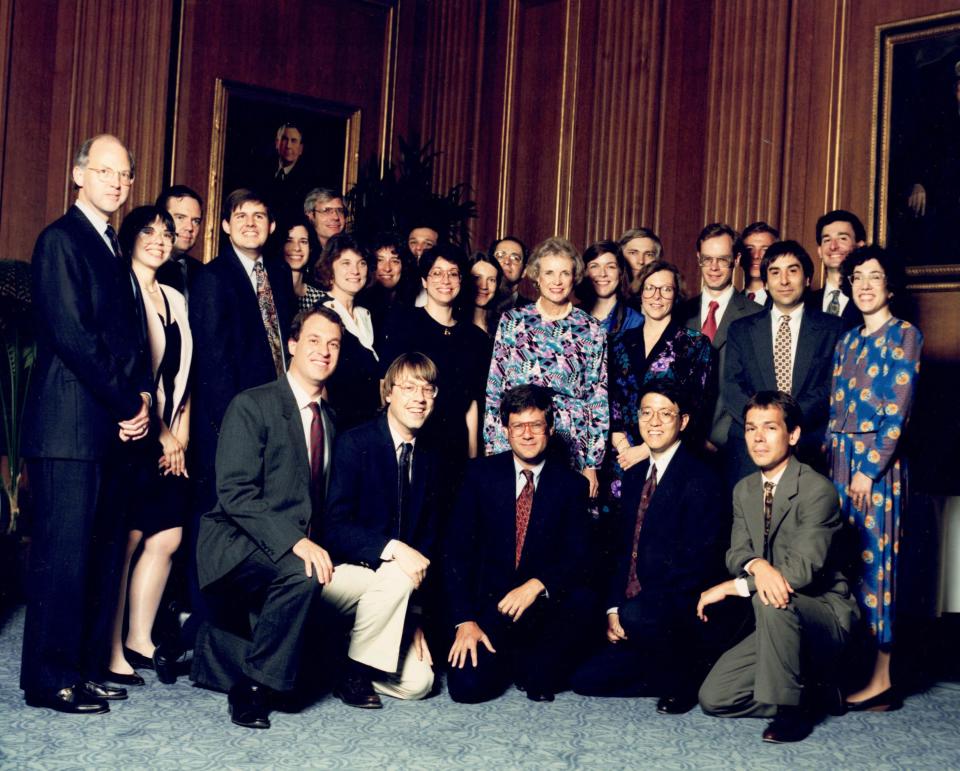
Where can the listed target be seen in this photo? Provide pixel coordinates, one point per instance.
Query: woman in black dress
(395, 281)
(295, 240)
(158, 485)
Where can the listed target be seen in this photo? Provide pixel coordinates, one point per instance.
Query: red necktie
(524, 506)
(709, 327)
(649, 487)
(751, 295)
(316, 450)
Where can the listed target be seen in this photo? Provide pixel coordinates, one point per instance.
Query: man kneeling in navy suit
(515, 562)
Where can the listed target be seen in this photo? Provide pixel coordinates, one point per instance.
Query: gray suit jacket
(803, 538)
(263, 481)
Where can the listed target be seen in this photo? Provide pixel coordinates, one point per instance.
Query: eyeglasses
(866, 278)
(107, 175)
(410, 390)
(666, 292)
(439, 275)
(511, 256)
(165, 235)
(723, 262)
(326, 211)
(665, 415)
(536, 427)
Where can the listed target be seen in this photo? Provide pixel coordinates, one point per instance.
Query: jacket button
(303, 522)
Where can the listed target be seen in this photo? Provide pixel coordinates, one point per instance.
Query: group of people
(551, 465)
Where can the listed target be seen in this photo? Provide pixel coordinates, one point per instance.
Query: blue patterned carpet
(179, 726)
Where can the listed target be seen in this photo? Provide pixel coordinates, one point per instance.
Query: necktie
(833, 307)
(403, 485)
(114, 242)
(269, 313)
(751, 295)
(767, 514)
(524, 506)
(709, 327)
(279, 176)
(134, 284)
(649, 488)
(782, 365)
(316, 451)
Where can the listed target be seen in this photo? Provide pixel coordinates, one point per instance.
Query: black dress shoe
(73, 701)
(247, 704)
(103, 691)
(885, 701)
(537, 695)
(676, 704)
(137, 660)
(165, 665)
(117, 677)
(357, 691)
(790, 725)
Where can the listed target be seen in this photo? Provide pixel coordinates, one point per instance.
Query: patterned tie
(833, 307)
(751, 295)
(782, 365)
(649, 488)
(316, 450)
(269, 313)
(403, 485)
(524, 506)
(709, 327)
(767, 514)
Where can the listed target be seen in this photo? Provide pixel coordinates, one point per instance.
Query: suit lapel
(734, 311)
(386, 458)
(753, 511)
(806, 343)
(763, 350)
(787, 489)
(291, 417)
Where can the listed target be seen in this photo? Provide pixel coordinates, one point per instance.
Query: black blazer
(684, 537)
(749, 369)
(362, 500)
(480, 554)
(171, 274)
(92, 358)
(231, 349)
(851, 316)
(263, 481)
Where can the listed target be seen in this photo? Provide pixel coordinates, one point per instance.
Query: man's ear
(794, 437)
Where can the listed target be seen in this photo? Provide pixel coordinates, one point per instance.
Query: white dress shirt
(359, 324)
(306, 415)
(722, 300)
(828, 290)
(97, 220)
(521, 480)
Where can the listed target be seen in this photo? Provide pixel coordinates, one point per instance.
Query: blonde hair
(554, 247)
(415, 364)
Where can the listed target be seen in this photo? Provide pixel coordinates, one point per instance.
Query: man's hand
(411, 562)
(859, 491)
(918, 200)
(772, 587)
(469, 634)
(137, 426)
(615, 632)
(714, 595)
(419, 644)
(594, 483)
(516, 601)
(315, 558)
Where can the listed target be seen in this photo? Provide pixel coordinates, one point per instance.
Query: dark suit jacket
(171, 274)
(685, 533)
(689, 315)
(480, 555)
(851, 316)
(749, 368)
(803, 536)
(92, 360)
(232, 352)
(362, 500)
(263, 481)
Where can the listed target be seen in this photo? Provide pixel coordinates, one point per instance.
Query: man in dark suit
(186, 208)
(380, 525)
(786, 519)
(755, 239)
(839, 232)
(255, 555)
(90, 394)
(718, 306)
(668, 545)
(515, 562)
(286, 179)
(788, 347)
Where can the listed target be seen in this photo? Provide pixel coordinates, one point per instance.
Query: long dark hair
(585, 291)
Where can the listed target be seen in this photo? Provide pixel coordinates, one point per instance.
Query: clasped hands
(771, 587)
(136, 427)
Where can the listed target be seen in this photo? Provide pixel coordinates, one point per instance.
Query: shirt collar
(96, 219)
(303, 401)
(247, 263)
(397, 439)
(664, 460)
(775, 479)
(518, 469)
(795, 315)
(723, 298)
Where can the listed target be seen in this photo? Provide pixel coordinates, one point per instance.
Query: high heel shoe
(117, 677)
(885, 701)
(137, 660)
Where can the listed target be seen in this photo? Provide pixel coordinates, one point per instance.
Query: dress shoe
(102, 691)
(791, 724)
(357, 691)
(137, 660)
(247, 704)
(164, 664)
(73, 701)
(885, 701)
(537, 695)
(676, 704)
(117, 677)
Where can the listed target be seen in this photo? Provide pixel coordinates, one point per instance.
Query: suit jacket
(685, 533)
(851, 316)
(92, 360)
(803, 538)
(362, 501)
(228, 334)
(749, 368)
(480, 554)
(171, 274)
(263, 481)
(689, 314)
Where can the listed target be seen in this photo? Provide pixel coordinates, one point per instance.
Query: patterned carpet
(179, 726)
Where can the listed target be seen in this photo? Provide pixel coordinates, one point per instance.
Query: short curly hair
(554, 247)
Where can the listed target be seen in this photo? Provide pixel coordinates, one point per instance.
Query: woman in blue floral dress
(553, 344)
(874, 374)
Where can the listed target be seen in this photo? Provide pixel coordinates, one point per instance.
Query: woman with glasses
(874, 374)
(158, 472)
(296, 241)
(554, 345)
(354, 387)
(659, 349)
